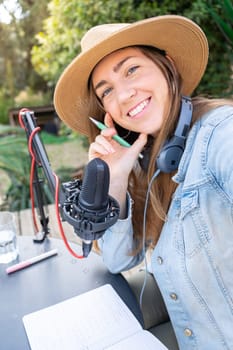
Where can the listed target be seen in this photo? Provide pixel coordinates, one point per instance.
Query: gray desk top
(49, 282)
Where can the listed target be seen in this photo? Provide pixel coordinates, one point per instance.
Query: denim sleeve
(117, 244)
(220, 154)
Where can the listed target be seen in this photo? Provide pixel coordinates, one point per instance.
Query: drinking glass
(8, 240)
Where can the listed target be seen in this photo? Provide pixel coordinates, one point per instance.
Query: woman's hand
(120, 160)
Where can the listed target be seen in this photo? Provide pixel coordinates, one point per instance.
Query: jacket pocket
(189, 202)
(192, 230)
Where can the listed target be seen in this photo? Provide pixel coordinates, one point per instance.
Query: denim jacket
(192, 261)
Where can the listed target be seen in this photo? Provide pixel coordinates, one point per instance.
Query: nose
(125, 93)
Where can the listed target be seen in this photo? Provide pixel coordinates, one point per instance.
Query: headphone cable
(157, 172)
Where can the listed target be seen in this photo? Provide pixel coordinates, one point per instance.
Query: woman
(132, 78)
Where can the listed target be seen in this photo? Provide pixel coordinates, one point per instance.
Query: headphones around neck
(171, 152)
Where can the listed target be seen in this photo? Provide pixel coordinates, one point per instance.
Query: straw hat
(183, 41)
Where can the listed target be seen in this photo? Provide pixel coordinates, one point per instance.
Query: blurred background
(39, 38)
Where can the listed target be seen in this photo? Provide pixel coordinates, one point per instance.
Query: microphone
(89, 208)
(93, 199)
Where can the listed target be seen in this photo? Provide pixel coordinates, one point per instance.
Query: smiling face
(133, 89)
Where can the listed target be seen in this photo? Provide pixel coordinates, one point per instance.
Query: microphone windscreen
(95, 186)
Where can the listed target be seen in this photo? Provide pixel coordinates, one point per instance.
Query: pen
(117, 138)
(21, 265)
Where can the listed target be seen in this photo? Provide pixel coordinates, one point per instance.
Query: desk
(49, 282)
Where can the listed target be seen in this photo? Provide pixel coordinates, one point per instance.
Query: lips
(139, 108)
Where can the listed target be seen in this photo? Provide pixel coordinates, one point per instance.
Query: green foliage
(53, 139)
(25, 98)
(59, 42)
(6, 130)
(15, 162)
(216, 81)
(29, 98)
(223, 16)
(16, 41)
(5, 104)
(65, 26)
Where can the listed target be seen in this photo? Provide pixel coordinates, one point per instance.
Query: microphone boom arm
(88, 225)
(29, 122)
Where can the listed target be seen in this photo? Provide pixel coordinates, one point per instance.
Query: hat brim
(179, 37)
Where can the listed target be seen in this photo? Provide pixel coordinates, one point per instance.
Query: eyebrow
(119, 64)
(116, 69)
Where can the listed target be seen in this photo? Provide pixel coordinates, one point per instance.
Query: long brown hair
(163, 187)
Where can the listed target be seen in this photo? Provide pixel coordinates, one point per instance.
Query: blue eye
(132, 69)
(106, 92)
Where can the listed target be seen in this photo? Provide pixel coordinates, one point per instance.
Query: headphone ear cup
(170, 155)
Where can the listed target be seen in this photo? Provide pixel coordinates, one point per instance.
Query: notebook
(95, 320)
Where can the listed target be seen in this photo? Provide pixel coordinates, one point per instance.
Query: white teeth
(138, 109)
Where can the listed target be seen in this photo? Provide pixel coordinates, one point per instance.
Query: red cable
(32, 168)
(30, 147)
(32, 196)
(20, 117)
(59, 220)
(33, 162)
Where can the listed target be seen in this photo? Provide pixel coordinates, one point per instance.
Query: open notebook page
(138, 341)
(93, 320)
